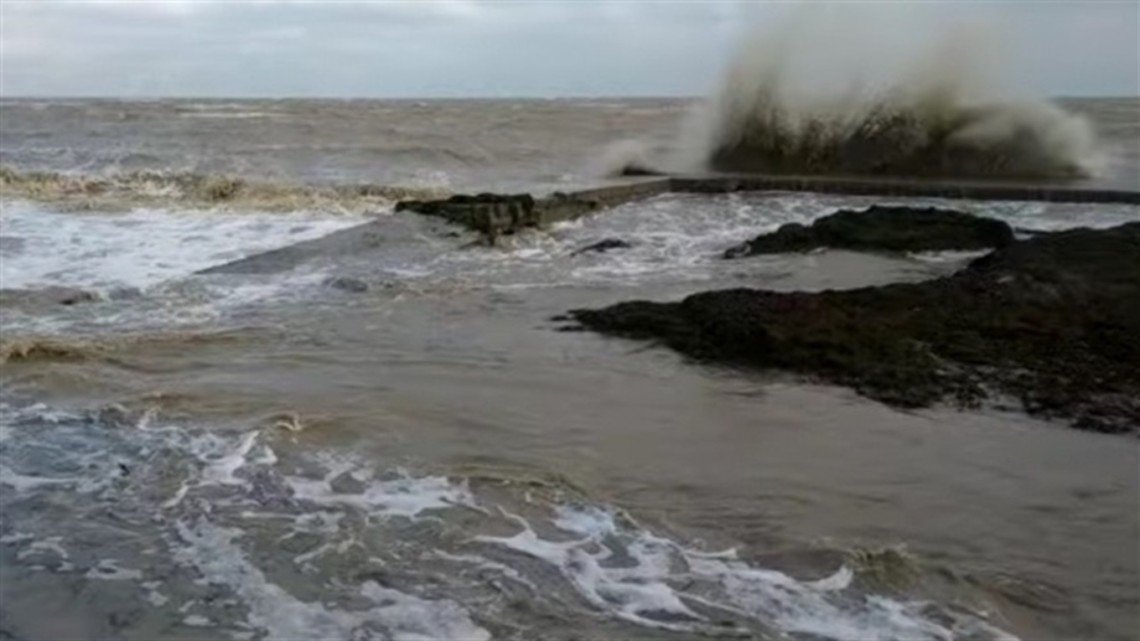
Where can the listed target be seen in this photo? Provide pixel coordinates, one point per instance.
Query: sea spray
(831, 91)
(624, 158)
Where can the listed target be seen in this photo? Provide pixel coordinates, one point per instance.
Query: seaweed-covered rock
(892, 229)
(495, 214)
(489, 213)
(1053, 321)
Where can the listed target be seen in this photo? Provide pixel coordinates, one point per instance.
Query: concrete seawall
(504, 214)
(352, 240)
(904, 187)
(495, 215)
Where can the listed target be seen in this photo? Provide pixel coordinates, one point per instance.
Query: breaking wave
(31, 348)
(301, 543)
(822, 95)
(149, 188)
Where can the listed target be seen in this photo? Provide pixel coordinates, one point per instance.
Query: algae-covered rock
(890, 229)
(1053, 321)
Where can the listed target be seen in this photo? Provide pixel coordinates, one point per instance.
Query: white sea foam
(109, 570)
(222, 459)
(153, 596)
(403, 495)
(23, 482)
(51, 544)
(948, 256)
(213, 551)
(671, 586)
(140, 248)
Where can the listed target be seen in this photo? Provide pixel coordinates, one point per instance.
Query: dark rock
(346, 483)
(345, 284)
(638, 169)
(46, 296)
(526, 201)
(892, 229)
(491, 214)
(1053, 321)
(602, 246)
(498, 214)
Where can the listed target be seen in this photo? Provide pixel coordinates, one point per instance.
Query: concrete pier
(369, 235)
(495, 214)
(903, 187)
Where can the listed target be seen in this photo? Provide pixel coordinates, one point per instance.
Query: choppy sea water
(449, 144)
(269, 456)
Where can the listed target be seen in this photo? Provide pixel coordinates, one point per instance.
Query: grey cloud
(462, 48)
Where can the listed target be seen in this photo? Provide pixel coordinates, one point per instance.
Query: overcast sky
(474, 48)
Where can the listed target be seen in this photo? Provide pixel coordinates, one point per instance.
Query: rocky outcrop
(1052, 321)
(890, 229)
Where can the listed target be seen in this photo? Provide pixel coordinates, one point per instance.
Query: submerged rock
(602, 246)
(124, 293)
(1053, 321)
(346, 284)
(46, 296)
(892, 229)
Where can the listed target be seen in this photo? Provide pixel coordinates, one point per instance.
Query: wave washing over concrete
(834, 91)
(495, 215)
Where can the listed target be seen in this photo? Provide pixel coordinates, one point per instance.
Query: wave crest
(154, 188)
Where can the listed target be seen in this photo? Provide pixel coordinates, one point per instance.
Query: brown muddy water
(284, 456)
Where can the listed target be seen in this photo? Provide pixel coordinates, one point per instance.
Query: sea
(399, 443)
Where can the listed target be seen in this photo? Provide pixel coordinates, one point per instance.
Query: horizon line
(636, 96)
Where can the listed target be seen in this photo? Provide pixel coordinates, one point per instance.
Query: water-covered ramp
(499, 214)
